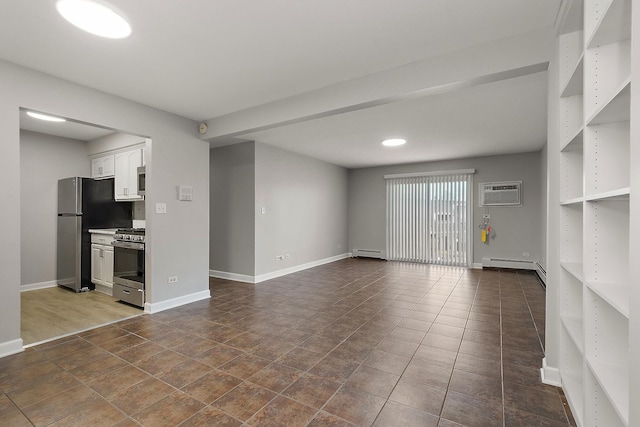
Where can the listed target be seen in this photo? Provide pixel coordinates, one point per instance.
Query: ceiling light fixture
(40, 116)
(394, 142)
(95, 18)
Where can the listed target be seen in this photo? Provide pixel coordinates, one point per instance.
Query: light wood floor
(53, 312)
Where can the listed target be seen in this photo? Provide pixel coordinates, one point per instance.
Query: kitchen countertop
(110, 231)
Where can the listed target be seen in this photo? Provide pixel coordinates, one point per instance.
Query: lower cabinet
(102, 268)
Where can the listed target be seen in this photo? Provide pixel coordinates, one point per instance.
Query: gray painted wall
(305, 201)
(113, 141)
(232, 242)
(517, 229)
(543, 206)
(44, 159)
(177, 242)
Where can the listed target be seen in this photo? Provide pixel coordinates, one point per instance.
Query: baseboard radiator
(368, 253)
(509, 263)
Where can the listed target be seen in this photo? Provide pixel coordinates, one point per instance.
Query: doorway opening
(49, 152)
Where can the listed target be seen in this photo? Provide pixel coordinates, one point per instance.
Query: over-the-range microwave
(141, 180)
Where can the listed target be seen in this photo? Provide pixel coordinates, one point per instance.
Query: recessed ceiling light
(95, 18)
(394, 142)
(45, 117)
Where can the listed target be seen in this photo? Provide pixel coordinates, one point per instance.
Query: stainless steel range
(128, 266)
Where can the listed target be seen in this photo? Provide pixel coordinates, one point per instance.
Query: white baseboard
(231, 276)
(550, 375)
(105, 289)
(36, 286)
(11, 347)
(477, 265)
(296, 268)
(175, 302)
(277, 273)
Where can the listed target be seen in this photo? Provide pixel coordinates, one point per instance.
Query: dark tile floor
(359, 342)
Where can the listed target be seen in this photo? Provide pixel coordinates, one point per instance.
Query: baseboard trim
(231, 276)
(296, 268)
(278, 273)
(8, 348)
(477, 265)
(175, 302)
(550, 375)
(36, 286)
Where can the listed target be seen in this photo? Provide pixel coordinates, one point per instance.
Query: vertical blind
(427, 217)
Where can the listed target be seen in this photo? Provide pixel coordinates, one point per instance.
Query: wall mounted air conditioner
(507, 193)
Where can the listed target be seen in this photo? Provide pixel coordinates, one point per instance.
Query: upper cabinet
(126, 174)
(103, 167)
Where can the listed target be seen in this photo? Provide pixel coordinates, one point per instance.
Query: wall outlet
(526, 254)
(279, 257)
(173, 279)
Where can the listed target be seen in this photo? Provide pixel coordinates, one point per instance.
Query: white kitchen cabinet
(126, 174)
(102, 267)
(103, 167)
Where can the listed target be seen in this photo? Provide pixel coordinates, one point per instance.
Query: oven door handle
(128, 245)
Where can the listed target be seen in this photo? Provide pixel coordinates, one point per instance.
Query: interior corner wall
(232, 201)
(516, 230)
(305, 205)
(44, 159)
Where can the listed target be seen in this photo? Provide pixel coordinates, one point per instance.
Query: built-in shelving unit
(594, 148)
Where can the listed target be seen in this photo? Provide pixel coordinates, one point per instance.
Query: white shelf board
(575, 83)
(617, 109)
(615, 294)
(574, 328)
(614, 26)
(569, 202)
(574, 390)
(614, 380)
(617, 194)
(574, 268)
(575, 143)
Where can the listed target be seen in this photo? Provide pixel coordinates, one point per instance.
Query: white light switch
(161, 208)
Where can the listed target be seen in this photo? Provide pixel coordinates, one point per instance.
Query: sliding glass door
(428, 217)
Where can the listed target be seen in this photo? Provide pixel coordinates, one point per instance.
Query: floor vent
(368, 253)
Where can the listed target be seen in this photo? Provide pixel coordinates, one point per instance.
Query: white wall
(305, 202)
(543, 206)
(44, 159)
(178, 241)
(112, 141)
(232, 242)
(517, 229)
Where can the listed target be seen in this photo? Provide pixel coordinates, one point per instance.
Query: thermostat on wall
(185, 193)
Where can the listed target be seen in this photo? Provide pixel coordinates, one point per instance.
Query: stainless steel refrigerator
(84, 203)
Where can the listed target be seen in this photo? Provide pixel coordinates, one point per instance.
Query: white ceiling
(69, 129)
(504, 117)
(202, 59)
